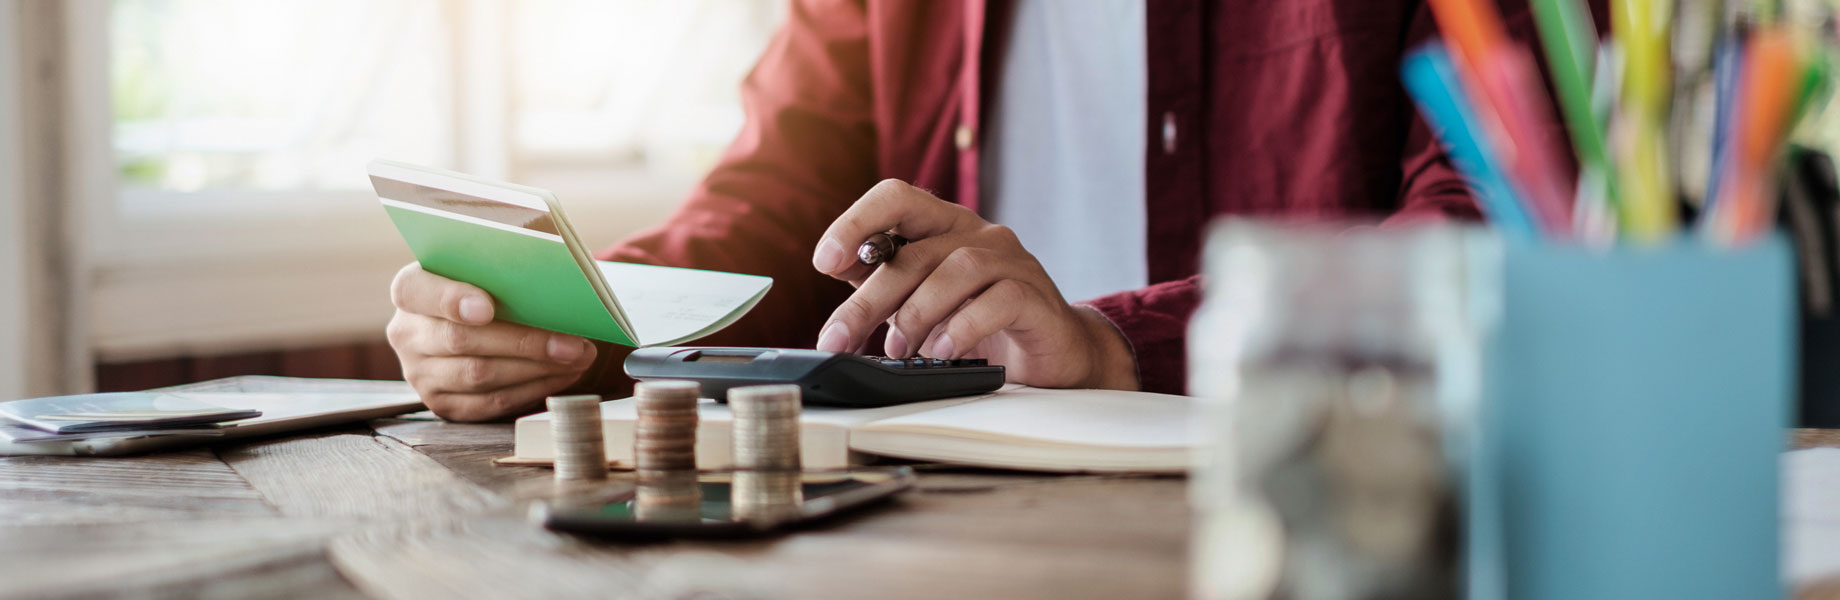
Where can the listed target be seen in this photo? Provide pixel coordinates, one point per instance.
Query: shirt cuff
(1161, 355)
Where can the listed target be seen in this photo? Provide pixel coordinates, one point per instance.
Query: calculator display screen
(723, 358)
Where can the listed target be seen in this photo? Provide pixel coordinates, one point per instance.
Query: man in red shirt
(1289, 109)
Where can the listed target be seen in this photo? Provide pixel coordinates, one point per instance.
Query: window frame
(206, 274)
(14, 288)
(50, 265)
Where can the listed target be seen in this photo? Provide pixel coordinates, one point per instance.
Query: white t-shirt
(1064, 154)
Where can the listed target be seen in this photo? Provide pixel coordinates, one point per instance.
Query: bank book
(514, 242)
(193, 414)
(1016, 427)
(120, 412)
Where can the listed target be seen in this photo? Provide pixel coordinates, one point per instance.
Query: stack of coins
(766, 427)
(665, 437)
(575, 424)
(668, 496)
(765, 495)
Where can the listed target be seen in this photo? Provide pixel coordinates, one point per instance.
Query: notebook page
(1072, 417)
(1076, 430)
(669, 305)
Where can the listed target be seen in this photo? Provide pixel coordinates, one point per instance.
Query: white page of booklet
(667, 305)
(1045, 429)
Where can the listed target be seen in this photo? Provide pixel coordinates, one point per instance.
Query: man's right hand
(468, 367)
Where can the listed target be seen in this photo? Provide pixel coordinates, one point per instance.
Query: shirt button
(1169, 132)
(963, 138)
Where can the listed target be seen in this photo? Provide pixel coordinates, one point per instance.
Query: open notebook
(1016, 427)
(514, 242)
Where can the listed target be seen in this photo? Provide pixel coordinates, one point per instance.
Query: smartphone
(719, 503)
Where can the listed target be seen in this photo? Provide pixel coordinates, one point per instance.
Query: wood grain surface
(961, 535)
(74, 490)
(424, 431)
(266, 556)
(1803, 439)
(352, 472)
(408, 508)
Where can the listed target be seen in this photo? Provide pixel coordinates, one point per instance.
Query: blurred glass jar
(1339, 370)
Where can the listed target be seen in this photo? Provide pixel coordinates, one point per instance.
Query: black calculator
(826, 378)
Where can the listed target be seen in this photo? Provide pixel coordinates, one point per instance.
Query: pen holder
(1635, 405)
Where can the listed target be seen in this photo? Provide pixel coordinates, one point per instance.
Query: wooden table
(413, 508)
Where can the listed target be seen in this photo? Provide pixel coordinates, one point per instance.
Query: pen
(1642, 165)
(1506, 80)
(879, 248)
(1725, 67)
(1431, 78)
(1764, 119)
(1571, 50)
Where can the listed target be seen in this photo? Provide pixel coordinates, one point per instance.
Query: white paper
(1811, 515)
(1050, 430)
(667, 305)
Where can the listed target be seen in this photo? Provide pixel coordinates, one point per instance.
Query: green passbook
(513, 242)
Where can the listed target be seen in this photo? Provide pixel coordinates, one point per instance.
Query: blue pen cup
(1634, 410)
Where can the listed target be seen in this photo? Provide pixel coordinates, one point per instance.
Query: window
(289, 95)
(223, 142)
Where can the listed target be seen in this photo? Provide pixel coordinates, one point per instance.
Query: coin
(671, 495)
(667, 394)
(765, 430)
(765, 495)
(664, 437)
(575, 425)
